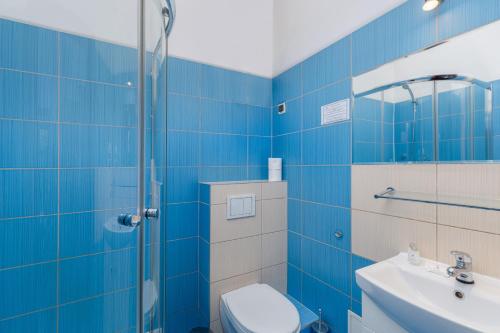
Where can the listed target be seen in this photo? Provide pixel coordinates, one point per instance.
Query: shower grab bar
(443, 77)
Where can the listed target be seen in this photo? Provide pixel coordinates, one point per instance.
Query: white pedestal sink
(401, 297)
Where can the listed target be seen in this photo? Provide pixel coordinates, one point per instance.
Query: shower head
(169, 12)
(407, 87)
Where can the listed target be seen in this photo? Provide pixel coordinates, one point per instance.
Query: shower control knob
(338, 234)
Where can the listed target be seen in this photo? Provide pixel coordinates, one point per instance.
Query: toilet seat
(258, 308)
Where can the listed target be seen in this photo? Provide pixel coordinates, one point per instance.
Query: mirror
(437, 105)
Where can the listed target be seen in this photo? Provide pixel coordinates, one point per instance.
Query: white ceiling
(262, 37)
(304, 27)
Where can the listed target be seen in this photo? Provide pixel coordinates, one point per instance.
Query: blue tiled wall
(317, 159)
(219, 128)
(68, 168)
(67, 120)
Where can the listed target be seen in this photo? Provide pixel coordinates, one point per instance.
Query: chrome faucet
(462, 271)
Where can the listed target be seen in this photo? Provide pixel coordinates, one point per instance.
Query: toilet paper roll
(275, 167)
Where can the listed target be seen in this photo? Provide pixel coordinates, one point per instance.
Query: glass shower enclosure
(83, 165)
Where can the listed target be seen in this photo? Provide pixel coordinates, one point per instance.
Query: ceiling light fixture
(430, 5)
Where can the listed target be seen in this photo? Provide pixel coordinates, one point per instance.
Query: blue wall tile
(378, 42)
(40, 322)
(288, 148)
(258, 172)
(294, 215)
(89, 189)
(326, 263)
(257, 91)
(182, 220)
(291, 120)
(184, 77)
(98, 103)
(89, 59)
(258, 120)
(27, 144)
(182, 184)
(28, 241)
(320, 222)
(27, 48)
(327, 66)
(334, 304)
(93, 232)
(293, 175)
(219, 174)
(327, 145)
(204, 258)
(223, 150)
(27, 289)
(98, 146)
(205, 193)
(204, 224)
(329, 185)
(259, 150)
(182, 256)
(294, 286)
(287, 85)
(294, 249)
(183, 112)
(183, 148)
(458, 16)
(221, 117)
(27, 96)
(110, 313)
(204, 288)
(93, 275)
(28, 193)
(182, 293)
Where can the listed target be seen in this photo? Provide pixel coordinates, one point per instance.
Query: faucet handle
(461, 257)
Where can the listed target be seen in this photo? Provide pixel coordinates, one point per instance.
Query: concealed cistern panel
(239, 206)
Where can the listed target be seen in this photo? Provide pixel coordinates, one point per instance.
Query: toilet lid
(258, 308)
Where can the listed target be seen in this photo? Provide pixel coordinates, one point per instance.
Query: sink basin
(424, 299)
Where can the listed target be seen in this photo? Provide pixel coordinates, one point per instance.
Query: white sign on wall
(336, 112)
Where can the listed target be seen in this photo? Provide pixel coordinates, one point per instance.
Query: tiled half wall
(382, 228)
(239, 252)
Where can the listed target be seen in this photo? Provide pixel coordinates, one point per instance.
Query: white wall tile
(222, 229)
(274, 248)
(379, 237)
(368, 180)
(275, 276)
(274, 215)
(274, 190)
(224, 286)
(219, 192)
(235, 257)
(484, 248)
(475, 181)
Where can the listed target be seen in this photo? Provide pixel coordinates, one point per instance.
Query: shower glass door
(155, 161)
(70, 133)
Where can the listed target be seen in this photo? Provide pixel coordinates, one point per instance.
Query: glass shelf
(431, 198)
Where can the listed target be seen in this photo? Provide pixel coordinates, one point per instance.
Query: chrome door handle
(151, 213)
(129, 220)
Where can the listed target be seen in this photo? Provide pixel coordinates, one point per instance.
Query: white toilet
(258, 308)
